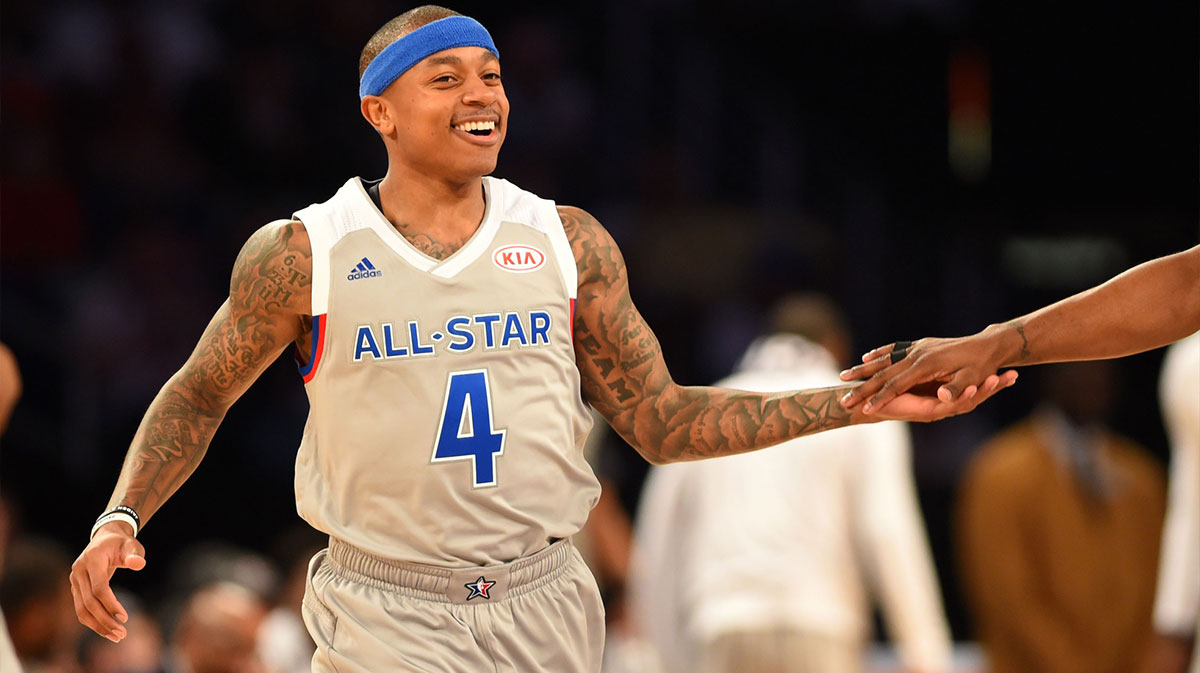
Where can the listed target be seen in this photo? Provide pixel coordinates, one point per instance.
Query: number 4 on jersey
(466, 432)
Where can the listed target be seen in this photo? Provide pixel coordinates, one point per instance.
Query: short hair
(812, 316)
(397, 28)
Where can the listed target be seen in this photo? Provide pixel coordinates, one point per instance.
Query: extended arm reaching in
(1150, 305)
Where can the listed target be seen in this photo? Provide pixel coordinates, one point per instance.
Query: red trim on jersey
(318, 347)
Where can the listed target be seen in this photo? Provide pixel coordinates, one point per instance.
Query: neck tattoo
(427, 244)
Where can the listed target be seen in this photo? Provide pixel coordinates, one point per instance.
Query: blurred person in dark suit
(1058, 525)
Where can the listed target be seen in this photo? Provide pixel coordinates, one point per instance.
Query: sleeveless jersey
(446, 424)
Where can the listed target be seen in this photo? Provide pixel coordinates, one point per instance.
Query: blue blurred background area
(933, 165)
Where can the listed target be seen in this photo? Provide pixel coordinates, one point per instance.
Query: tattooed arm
(625, 377)
(267, 308)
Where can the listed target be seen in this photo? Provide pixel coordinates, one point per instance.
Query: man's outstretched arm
(1148, 306)
(626, 379)
(269, 296)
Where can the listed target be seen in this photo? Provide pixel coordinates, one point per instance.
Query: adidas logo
(364, 269)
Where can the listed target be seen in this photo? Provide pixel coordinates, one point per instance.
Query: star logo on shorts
(479, 588)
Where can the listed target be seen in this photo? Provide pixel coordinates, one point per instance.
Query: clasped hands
(930, 379)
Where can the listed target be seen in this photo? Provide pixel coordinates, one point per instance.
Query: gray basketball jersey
(446, 424)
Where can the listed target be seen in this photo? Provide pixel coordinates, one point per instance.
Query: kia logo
(519, 258)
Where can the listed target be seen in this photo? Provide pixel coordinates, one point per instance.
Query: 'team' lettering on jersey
(458, 334)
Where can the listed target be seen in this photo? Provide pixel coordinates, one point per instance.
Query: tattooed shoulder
(576, 221)
(273, 272)
(596, 254)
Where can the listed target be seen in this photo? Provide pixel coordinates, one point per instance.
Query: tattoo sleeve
(269, 298)
(625, 377)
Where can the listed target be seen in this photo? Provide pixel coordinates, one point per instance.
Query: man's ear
(378, 114)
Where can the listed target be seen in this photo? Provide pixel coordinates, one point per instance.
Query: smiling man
(451, 330)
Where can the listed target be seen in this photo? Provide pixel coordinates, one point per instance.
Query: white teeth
(476, 126)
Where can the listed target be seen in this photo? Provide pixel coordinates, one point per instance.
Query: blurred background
(932, 165)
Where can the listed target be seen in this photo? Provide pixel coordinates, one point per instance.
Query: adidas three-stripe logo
(364, 269)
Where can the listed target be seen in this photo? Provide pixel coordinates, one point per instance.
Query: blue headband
(399, 56)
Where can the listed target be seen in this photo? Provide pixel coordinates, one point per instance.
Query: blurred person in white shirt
(1178, 598)
(767, 561)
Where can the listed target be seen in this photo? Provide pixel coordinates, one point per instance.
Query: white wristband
(114, 516)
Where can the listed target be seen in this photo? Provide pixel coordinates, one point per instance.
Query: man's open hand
(95, 604)
(911, 406)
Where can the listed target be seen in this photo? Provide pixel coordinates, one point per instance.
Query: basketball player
(451, 329)
(1148, 306)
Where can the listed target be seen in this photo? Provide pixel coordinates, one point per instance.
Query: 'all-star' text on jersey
(446, 424)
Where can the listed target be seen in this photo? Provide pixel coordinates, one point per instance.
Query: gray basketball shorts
(374, 615)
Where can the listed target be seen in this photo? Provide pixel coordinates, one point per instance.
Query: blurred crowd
(737, 151)
(226, 610)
